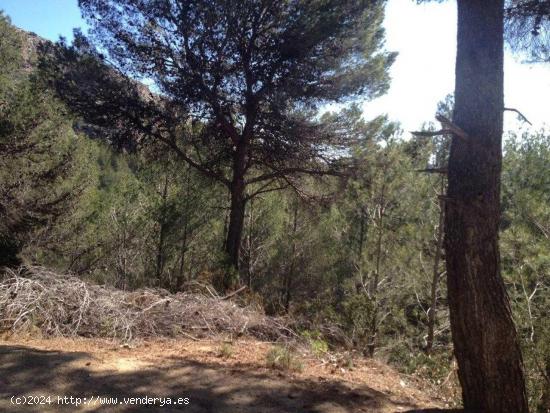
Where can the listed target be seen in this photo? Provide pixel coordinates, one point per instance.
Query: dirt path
(177, 370)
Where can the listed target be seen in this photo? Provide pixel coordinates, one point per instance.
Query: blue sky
(424, 35)
(47, 18)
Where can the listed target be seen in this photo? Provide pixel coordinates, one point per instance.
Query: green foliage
(525, 245)
(527, 26)
(317, 344)
(435, 367)
(357, 317)
(141, 224)
(283, 358)
(243, 115)
(226, 350)
(38, 152)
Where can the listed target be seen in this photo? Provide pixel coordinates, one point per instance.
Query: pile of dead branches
(35, 299)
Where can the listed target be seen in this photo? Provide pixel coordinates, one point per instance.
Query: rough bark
(236, 216)
(235, 228)
(485, 341)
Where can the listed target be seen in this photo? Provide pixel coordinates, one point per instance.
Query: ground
(238, 382)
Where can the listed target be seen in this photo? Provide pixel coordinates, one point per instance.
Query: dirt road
(107, 375)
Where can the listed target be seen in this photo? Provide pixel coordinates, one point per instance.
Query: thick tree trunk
(236, 217)
(485, 341)
(235, 228)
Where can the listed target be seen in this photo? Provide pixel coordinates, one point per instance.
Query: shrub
(316, 342)
(283, 358)
(226, 350)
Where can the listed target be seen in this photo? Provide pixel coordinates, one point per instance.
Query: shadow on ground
(211, 387)
(435, 411)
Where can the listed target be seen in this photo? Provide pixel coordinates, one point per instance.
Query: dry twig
(59, 305)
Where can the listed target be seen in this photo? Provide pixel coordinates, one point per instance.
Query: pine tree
(36, 150)
(484, 336)
(252, 72)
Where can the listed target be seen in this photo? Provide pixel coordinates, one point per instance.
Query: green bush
(316, 343)
(226, 350)
(283, 358)
(357, 315)
(434, 367)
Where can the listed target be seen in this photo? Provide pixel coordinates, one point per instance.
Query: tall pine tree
(252, 72)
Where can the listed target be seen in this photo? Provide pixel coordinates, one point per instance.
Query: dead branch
(434, 170)
(228, 296)
(448, 125)
(521, 115)
(429, 134)
(35, 299)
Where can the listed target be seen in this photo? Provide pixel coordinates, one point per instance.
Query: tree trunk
(291, 270)
(485, 341)
(236, 217)
(249, 246)
(159, 270)
(374, 293)
(183, 249)
(436, 274)
(361, 246)
(235, 228)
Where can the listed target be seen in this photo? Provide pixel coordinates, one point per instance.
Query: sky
(424, 36)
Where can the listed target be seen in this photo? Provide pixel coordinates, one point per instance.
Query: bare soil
(240, 383)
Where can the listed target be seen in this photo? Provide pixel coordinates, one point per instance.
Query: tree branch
(519, 113)
(287, 171)
(448, 125)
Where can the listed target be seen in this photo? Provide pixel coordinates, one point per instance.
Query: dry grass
(34, 299)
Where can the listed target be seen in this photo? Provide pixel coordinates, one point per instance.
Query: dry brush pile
(35, 299)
